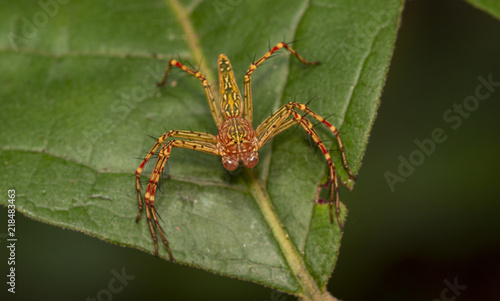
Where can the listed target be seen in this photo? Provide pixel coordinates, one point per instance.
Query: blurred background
(437, 228)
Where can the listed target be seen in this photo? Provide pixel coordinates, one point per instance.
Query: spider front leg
(253, 66)
(200, 141)
(204, 82)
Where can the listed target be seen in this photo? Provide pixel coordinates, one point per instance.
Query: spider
(237, 141)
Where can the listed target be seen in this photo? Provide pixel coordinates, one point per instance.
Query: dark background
(441, 224)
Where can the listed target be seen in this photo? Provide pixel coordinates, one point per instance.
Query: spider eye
(230, 164)
(251, 160)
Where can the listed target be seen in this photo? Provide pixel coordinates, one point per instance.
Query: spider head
(238, 144)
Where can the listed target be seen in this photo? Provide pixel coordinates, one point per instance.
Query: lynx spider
(237, 142)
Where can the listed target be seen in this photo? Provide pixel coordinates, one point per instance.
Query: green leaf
(79, 99)
(490, 6)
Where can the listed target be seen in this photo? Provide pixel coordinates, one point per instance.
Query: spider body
(237, 141)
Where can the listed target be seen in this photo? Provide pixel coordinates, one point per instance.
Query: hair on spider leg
(157, 225)
(192, 132)
(252, 60)
(343, 131)
(159, 217)
(328, 140)
(138, 158)
(332, 114)
(305, 114)
(307, 105)
(164, 176)
(149, 167)
(313, 145)
(293, 42)
(334, 149)
(296, 127)
(190, 65)
(310, 101)
(179, 57)
(199, 64)
(274, 55)
(306, 135)
(152, 137)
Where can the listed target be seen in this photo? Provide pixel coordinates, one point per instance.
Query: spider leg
(206, 86)
(274, 124)
(332, 128)
(254, 65)
(278, 122)
(200, 141)
(195, 136)
(150, 210)
(334, 186)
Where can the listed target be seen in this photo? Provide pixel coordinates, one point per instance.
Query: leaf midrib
(298, 268)
(295, 262)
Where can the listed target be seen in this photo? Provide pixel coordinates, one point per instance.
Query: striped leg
(195, 136)
(334, 187)
(253, 66)
(279, 122)
(206, 86)
(163, 155)
(332, 128)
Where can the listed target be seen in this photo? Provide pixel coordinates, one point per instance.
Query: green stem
(310, 290)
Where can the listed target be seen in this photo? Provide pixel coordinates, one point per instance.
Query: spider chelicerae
(237, 141)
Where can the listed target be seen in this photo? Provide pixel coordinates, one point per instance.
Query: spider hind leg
(280, 121)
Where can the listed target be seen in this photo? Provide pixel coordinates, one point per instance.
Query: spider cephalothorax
(237, 141)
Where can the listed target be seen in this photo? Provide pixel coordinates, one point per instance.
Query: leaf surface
(79, 101)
